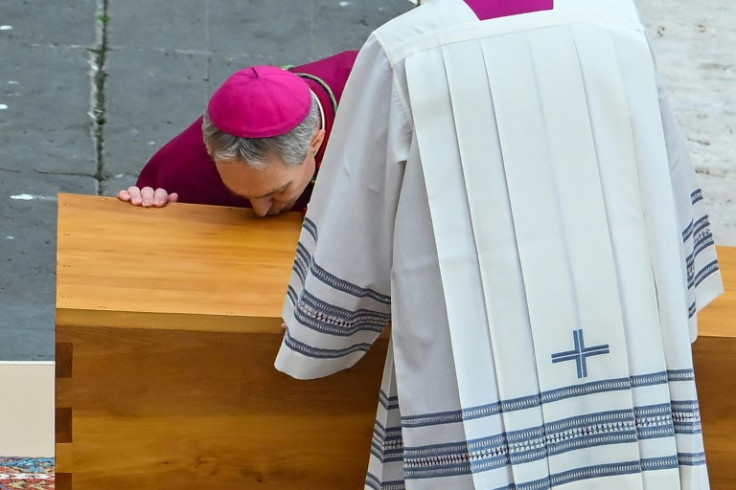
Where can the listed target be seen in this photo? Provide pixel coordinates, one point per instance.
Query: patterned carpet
(26, 473)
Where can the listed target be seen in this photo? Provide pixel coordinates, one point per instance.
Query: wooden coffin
(168, 323)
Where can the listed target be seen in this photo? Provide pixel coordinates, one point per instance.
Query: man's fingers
(160, 197)
(147, 197)
(124, 195)
(134, 195)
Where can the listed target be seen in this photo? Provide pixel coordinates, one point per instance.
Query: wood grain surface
(168, 324)
(118, 263)
(714, 357)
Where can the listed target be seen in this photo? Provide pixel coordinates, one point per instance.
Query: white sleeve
(700, 262)
(339, 297)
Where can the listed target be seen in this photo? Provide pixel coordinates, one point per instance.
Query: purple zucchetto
(260, 102)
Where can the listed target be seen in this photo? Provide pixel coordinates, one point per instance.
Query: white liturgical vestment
(513, 196)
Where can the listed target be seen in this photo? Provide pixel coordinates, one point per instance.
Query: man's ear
(317, 139)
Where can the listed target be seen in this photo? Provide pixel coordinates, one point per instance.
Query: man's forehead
(253, 182)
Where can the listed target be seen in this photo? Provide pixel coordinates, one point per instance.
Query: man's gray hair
(292, 147)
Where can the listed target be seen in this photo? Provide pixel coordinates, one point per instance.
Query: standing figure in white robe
(506, 185)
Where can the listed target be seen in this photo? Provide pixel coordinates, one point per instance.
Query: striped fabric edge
(388, 402)
(310, 227)
(387, 444)
(598, 471)
(535, 443)
(536, 400)
(319, 353)
(305, 263)
(329, 319)
(373, 482)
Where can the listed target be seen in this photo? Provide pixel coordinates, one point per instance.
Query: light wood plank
(169, 322)
(714, 357)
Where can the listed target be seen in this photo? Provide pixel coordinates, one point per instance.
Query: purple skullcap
(260, 102)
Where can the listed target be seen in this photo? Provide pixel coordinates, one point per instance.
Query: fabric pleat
(541, 229)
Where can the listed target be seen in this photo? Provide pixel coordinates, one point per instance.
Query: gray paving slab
(27, 334)
(28, 259)
(271, 31)
(46, 94)
(173, 25)
(356, 19)
(58, 23)
(150, 96)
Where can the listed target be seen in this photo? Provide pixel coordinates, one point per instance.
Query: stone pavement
(89, 89)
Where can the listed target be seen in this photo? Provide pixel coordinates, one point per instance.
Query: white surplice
(513, 195)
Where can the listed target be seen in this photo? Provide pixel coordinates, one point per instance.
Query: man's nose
(261, 206)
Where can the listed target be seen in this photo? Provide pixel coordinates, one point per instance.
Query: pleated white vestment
(513, 195)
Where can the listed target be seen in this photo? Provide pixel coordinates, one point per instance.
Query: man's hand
(147, 197)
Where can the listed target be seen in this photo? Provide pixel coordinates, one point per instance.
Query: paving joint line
(98, 75)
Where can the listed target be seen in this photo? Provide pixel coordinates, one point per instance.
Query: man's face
(271, 189)
(274, 187)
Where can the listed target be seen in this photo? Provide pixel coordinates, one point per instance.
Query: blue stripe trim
(388, 402)
(702, 240)
(654, 421)
(296, 269)
(309, 351)
(680, 375)
(386, 454)
(687, 231)
(688, 428)
(686, 417)
(705, 272)
(310, 227)
(291, 294)
(691, 459)
(444, 470)
(534, 443)
(605, 428)
(597, 471)
(696, 196)
(329, 319)
(692, 310)
(531, 401)
(382, 433)
(701, 224)
(335, 282)
(685, 405)
(301, 263)
(705, 241)
(372, 481)
(655, 432)
(607, 470)
(696, 228)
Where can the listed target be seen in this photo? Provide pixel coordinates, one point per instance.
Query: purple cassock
(183, 166)
(491, 9)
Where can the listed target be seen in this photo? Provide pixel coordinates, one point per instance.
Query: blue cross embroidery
(580, 353)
